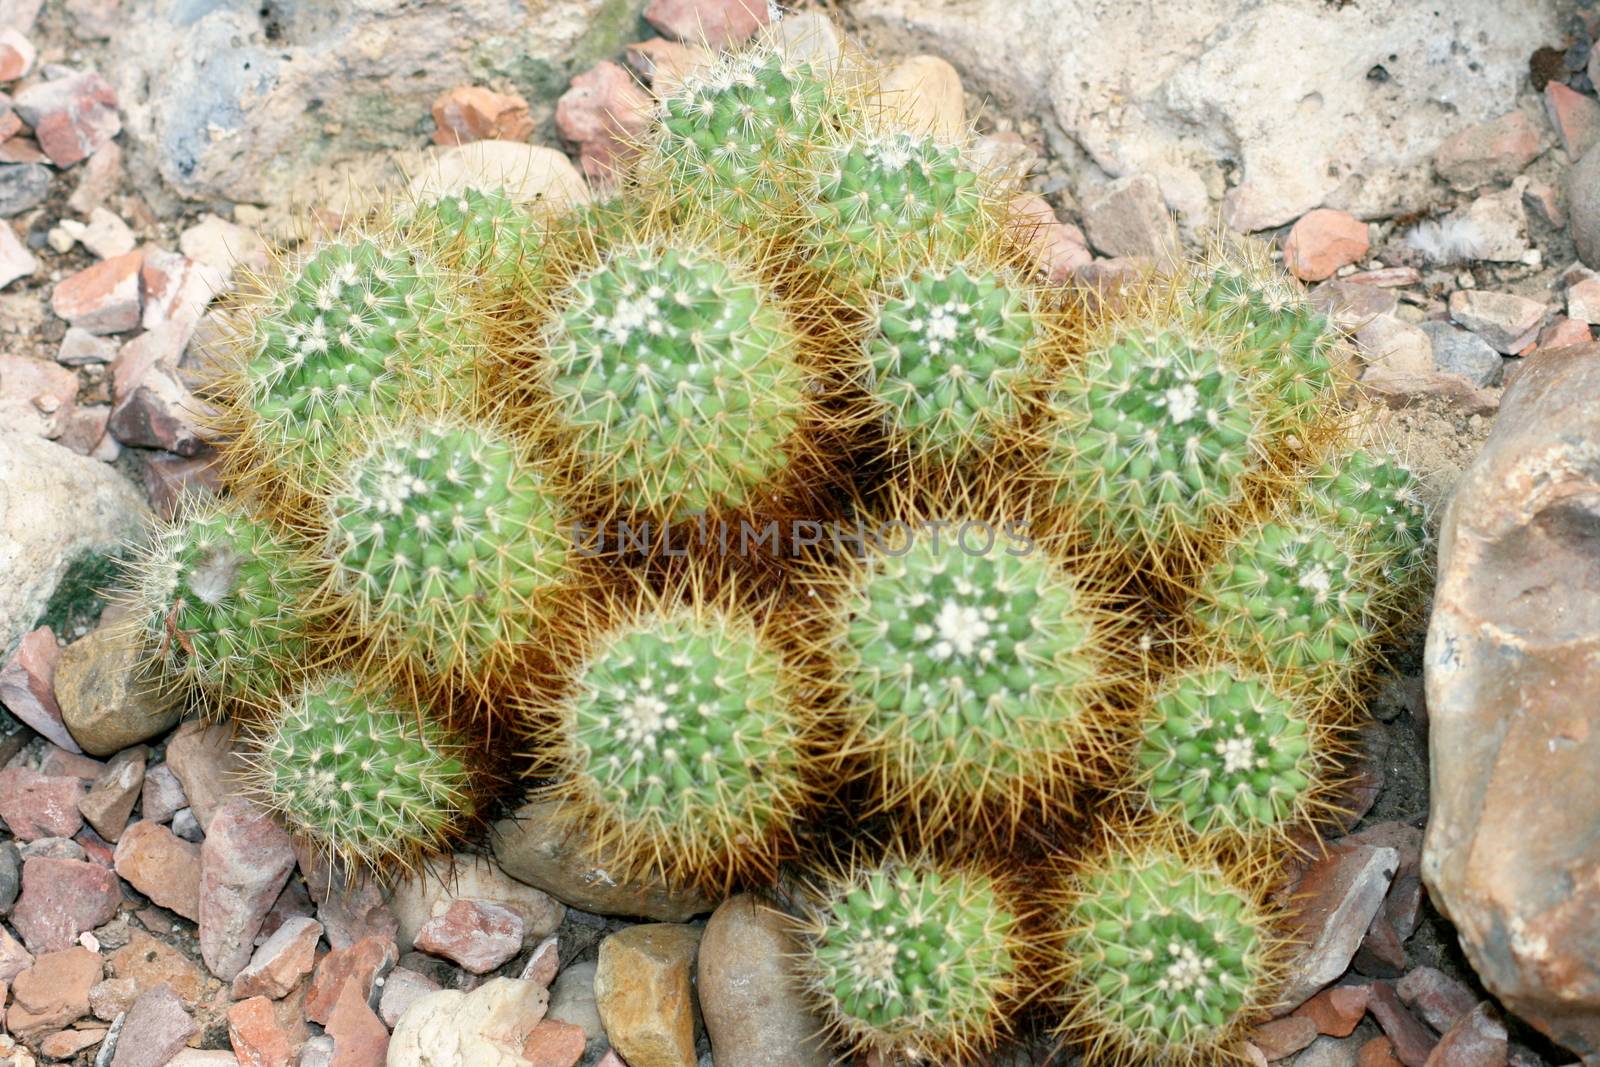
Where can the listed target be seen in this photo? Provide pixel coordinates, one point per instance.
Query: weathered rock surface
(55, 506)
(643, 986)
(1203, 95)
(107, 703)
(430, 893)
(250, 99)
(1511, 854)
(536, 847)
(485, 1028)
(754, 1013)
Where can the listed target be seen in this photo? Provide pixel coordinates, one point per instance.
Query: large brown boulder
(1513, 681)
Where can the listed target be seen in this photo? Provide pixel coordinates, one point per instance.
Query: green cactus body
(356, 333)
(448, 542)
(364, 779)
(909, 959)
(949, 357)
(1376, 502)
(1291, 597)
(1152, 438)
(222, 600)
(485, 235)
(1275, 335)
(737, 140)
(677, 375)
(685, 736)
(888, 204)
(973, 668)
(1169, 959)
(1223, 750)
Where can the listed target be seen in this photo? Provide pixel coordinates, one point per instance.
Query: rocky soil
(1429, 171)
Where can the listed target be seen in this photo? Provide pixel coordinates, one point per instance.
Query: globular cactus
(677, 378)
(737, 140)
(356, 332)
(974, 667)
(682, 742)
(952, 355)
(1378, 503)
(1290, 597)
(1225, 751)
(915, 961)
(887, 203)
(447, 545)
(1163, 959)
(370, 783)
(223, 600)
(482, 234)
(1151, 438)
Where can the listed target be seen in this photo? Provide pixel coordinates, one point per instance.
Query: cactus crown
(1168, 959)
(950, 355)
(352, 335)
(887, 203)
(485, 234)
(1291, 597)
(738, 137)
(222, 599)
(1377, 501)
(1277, 337)
(677, 374)
(448, 542)
(684, 732)
(972, 660)
(1154, 437)
(911, 959)
(365, 780)
(1224, 750)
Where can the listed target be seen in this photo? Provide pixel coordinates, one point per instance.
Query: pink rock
(162, 866)
(1478, 1040)
(1563, 331)
(1386, 277)
(1337, 898)
(66, 1044)
(112, 997)
(604, 113)
(61, 762)
(109, 802)
(203, 757)
(15, 259)
(27, 686)
(14, 958)
(1282, 1038)
(160, 413)
(1323, 241)
(478, 934)
(176, 288)
(610, 1059)
(293, 903)
(1400, 907)
(1413, 1042)
(84, 431)
(162, 795)
(1058, 248)
(103, 298)
(1544, 200)
(665, 64)
(21, 150)
(72, 116)
(713, 23)
(473, 113)
(401, 989)
(1583, 302)
(1336, 1010)
(160, 348)
(1576, 117)
(35, 395)
(96, 849)
(281, 962)
(53, 992)
(353, 910)
(543, 962)
(1379, 1052)
(359, 1036)
(244, 863)
(150, 963)
(1509, 323)
(257, 1038)
(168, 478)
(61, 899)
(361, 965)
(16, 54)
(554, 1044)
(154, 1029)
(34, 805)
(1490, 152)
(1439, 999)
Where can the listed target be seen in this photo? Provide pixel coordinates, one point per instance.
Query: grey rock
(1583, 205)
(1129, 218)
(754, 1013)
(23, 187)
(1459, 352)
(10, 876)
(1331, 1052)
(572, 1000)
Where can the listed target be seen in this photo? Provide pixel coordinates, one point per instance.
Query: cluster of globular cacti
(777, 509)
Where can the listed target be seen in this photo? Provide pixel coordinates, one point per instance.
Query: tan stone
(644, 990)
(923, 95)
(105, 703)
(1511, 855)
